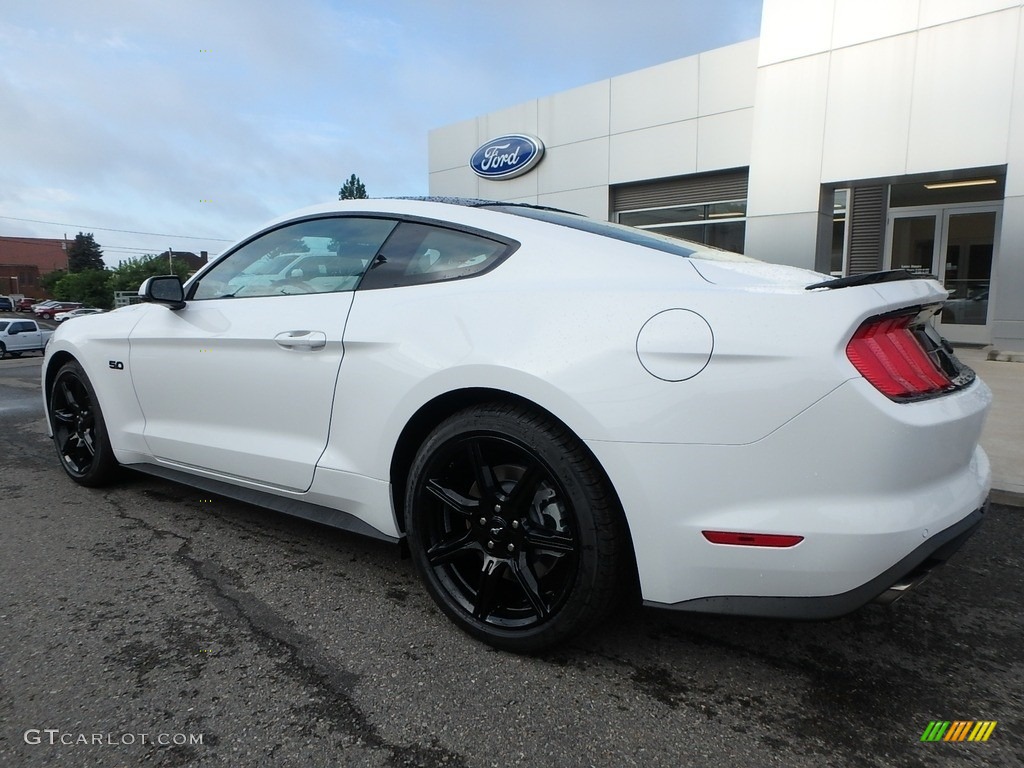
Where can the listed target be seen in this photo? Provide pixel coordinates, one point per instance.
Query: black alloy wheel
(512, 528)
(79, 431)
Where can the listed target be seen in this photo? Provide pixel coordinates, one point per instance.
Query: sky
(188, 125)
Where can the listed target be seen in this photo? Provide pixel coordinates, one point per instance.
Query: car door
(23, 336)
(240, 382)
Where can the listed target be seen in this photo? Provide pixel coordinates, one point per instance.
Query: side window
(21, 327)
(313, 256)
(421, 253)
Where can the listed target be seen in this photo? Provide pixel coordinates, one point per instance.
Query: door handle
(301, 339)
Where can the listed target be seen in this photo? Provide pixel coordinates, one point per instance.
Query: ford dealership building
(852, 136)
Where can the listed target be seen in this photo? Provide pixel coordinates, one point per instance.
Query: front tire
(513, 528)
(79, 431)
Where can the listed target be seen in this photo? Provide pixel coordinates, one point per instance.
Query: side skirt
(295, 507)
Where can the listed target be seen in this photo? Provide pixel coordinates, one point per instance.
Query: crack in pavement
(303, 660)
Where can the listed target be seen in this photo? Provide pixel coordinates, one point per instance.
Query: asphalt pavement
(149, 624)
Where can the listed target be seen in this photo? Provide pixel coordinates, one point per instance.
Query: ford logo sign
(507, 156)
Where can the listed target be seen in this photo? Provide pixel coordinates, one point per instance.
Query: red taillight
(889, 355)
(752, 539)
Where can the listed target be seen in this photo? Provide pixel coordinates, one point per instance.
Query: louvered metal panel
(689, 190)
(867, 229)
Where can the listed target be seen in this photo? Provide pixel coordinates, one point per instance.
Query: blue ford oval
(507, 156)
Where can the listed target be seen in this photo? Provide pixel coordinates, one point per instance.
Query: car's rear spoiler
(871, 278)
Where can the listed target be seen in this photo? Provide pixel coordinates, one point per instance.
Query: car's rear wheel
(513, 529)
(79, 431)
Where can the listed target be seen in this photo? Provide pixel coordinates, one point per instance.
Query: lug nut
(511, 547)
(497, 507)
(490, 545)
(515, 523)
(483, 521)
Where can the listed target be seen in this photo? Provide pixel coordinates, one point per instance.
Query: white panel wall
(789, 119)
(592, 201)
(783, 239)
(794, 28)
(455, 182)
(1008, 309)
(572, 166)
(941, 11)
(723, 140)
(655, 96)
(961, 103)
(859, 21)
(1015, 145)
(666, 150)
(523, 187)
(868, 120)
(572, 116)
(446, 147)
(728, 78)
(522, 118)
(1008, 299)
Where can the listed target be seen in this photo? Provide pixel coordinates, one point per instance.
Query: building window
(840, 220)
(708, 208)
(721, 224)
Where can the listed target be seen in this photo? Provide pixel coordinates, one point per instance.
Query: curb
(1007, 498)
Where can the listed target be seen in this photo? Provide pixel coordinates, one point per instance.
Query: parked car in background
(969, 310)
(24, 304)
(550, 410)
(48, 310)
(6, 305)
(17, 336)
(39, 306)
(60, 317)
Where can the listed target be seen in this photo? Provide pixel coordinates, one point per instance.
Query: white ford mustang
(548, 410)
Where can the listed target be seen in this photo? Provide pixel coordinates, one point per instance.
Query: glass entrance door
(957, 246)
(968, 245)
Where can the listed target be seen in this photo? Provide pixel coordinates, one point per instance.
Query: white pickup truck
(17, 336)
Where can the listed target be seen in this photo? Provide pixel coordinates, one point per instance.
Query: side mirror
(164, 289)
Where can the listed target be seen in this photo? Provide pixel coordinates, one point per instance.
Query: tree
(90, 286)
(84, 253)
(48, 282)
(353, 189)
(131, 273)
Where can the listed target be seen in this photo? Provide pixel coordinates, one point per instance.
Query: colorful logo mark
(958, 730)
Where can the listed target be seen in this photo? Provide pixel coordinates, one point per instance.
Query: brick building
(24, 261)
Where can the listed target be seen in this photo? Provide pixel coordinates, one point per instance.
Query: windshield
(632, 235)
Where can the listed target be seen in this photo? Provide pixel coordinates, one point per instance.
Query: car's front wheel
(79, 431)
(513, 528)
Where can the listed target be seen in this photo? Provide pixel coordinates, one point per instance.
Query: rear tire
(513, 529)
(79, 431)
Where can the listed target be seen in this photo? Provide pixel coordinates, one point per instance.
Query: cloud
(131, 113)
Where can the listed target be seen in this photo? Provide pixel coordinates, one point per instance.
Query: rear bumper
(886, 587)
(869, 484)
